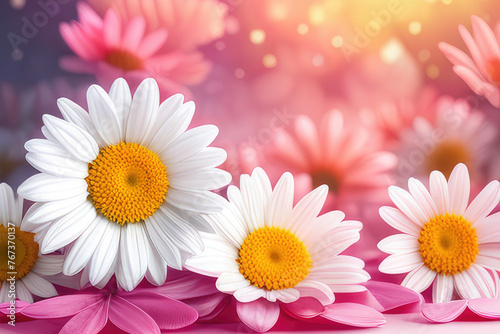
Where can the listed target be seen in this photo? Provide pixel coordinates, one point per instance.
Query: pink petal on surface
(20, 305)
(391, 296)
(166, 312)
(210, 306)
(306, 307)
(89, 321)
(260, 315)
(444, 312)
(352, 314)
(486, 307)
(130, 318)
(64, 306)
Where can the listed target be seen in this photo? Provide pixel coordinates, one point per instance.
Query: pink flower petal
(64, 306)
(209, 307)
(354, 315)
(444, 312)
(166, 312)
(89, 321)
(486, 307)
(260, 315)
(130, 318)
(391, 296)
(306, 307)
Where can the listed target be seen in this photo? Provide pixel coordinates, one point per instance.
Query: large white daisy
(445, 240)
(124, 184)
(266, 248)
(19, 256)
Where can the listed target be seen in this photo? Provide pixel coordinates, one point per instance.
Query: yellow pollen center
(446, 156)
(124, 60)
(448, 244)
(272, 258)
(127, 182)
(325, 177)
(18, 252)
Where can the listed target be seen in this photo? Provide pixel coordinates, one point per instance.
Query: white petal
(317, 290)
(85, 246)
(400, 263)
(483, 204)
(163, 245)
(66, 229)
(475, 282)
(407, 204)
(157, 268)
(208, 157)
(188, 144)
(106, 253)
(45, 188)
(46, 211)
(60, 166)
(281, 205)
(133, 256)
(442, 289)
(103, 114)
(194, 219)
(419, 279)
(336, 240)
(399, 243)
(204, 179)
(48, 264)
(120, 94)
(143, 111)
(228, 223)
(171, 124)
(489, 229)
(399, 221)
(286, 295)
(39, 286)
(307, 209)
(249, 294)
(8, 209)
(423, 198)
(231, 282)
(195, 201)
(75, 114)
(322, 226)
(22, 292)
(459, 187)
(74, 139)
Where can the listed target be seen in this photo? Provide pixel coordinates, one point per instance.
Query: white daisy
(265, 247)
(19, 256)
(124, 184)
(444, 240)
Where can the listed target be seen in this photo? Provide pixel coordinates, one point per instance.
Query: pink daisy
(446, 242)
(482, 71)
(458, 134)
(345, 159)
(112, 47)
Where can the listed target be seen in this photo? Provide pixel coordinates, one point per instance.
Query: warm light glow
(415, 28)
(337, 41)
(257, 36)
(318, 59)
(277, 10)
(317, 14)
(447, 2)
(269, 60)
(432, 71)
(424, 55)
(239, 73)
(302, 29)
(391, 51)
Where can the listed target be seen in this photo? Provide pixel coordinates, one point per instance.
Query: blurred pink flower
(456, 134)
(482, 71)
(190, 23)
(345, 158)
(143, 310)
(113, 47)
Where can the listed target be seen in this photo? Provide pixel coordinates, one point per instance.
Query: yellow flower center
(325, 177)
(124, 60)
(18, 252)
(127, 182)
(448, 244)
(272, 258)
(446, 156)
